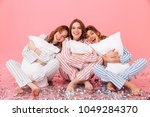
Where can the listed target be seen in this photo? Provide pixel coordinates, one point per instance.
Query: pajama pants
(26, 73)
(70, 73)
(119, 79)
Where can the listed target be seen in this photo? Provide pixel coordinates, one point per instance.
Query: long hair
(50, 37)
(82, 28)
(90, 27)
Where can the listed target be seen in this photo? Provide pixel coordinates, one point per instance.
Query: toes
(36, 92)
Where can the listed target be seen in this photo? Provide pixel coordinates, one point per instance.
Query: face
(76, 31)
(60, 36)
(92, 37)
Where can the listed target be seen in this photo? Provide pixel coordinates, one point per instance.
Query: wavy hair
(50, 37)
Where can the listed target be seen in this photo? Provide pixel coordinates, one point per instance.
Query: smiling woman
(20, 18)
(39, 64)
(78, 69)
(116, 73)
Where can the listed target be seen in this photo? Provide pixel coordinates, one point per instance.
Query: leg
(83, 75)
(66, 69)
(111, 86)
(21, 78)
(64, 75)
(72, 85)
(134, 68)
(47, 71)
(88, 85)
(15, 69)
(133, 88)
(108, 76)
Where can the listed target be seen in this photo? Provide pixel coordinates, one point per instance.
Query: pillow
(43, 45)
(117, 67)
(110, 43)
(78, 47)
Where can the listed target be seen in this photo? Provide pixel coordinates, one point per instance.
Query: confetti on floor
(57, 90)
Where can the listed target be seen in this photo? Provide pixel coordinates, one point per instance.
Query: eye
(73, 28)
(92, 33)
(87, 36)
(64, 36)
(79, 27)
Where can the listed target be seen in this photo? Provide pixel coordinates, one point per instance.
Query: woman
(38, 65)
(120, 79)
(75, 68)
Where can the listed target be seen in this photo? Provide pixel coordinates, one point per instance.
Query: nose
(91, 38)
(76, 29)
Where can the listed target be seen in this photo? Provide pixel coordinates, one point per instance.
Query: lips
(76, 34)
(93, 40)
(58, 39)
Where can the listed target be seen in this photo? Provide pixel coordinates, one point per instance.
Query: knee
(56, 62)
(97, 67)
(143, 61)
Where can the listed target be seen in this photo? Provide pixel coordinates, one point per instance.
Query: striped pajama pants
(119, 79)
(40, 75)
(69, 73)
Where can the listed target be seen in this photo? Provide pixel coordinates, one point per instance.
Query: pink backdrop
(20, 18)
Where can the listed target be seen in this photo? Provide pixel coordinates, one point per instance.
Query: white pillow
(43, 45)
(117, 67)
(78, 47)
(111, 42)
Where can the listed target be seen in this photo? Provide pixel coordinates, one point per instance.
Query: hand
(31, 46)
(40, 62)
(112, 54)
(108, 59)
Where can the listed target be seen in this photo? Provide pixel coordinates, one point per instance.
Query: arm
(32, 47)
(112, 57)
(71, 60)
(42, 56)
(91, 57)
(126, 57)
(29, 55)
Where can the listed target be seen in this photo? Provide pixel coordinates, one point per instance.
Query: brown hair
(90, 27)
(82, 28)
(50, 37)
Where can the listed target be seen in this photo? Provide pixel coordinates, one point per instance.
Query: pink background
(20, 18)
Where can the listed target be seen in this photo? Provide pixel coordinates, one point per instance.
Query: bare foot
(136, 91)
(111, 86)
(19, 90)
(71, 86)
(133, 88)
(88, 86)
(35, 92)
(35, 89)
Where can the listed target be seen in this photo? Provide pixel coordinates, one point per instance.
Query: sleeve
(44, 57)
(126, 57)
(29, 55)
(91, 57)
(43, 36)
(73, 61)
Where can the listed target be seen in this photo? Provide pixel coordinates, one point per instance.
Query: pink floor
(56, 91)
